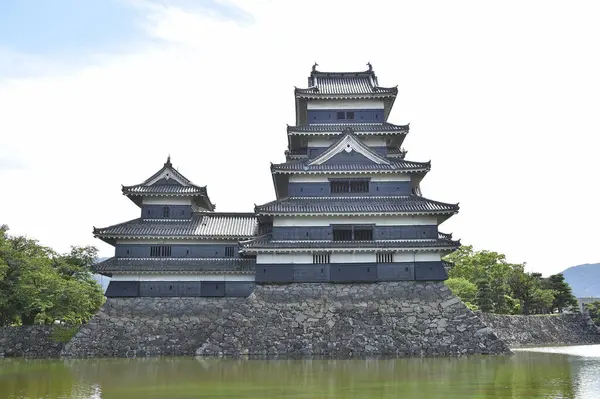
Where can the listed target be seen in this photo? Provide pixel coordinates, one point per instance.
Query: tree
(594, 311)
(542, 300)
(523, 286)
(484, 296)
(563, 296)
(37, 285)
(462, 288)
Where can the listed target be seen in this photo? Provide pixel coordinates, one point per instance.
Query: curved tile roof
(165, 189)
(394, 165)
(353, 205)
(344, 83)
(112, 265)
(357, 128)
(347, 83)
(204, 225)
(265, 242)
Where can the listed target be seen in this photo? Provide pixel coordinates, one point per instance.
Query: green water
(573, 372)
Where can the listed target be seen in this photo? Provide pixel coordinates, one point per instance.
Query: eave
(284, 250)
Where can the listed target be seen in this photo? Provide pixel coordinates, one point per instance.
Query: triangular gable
(167, 175)
(351, 157)
(350, 149)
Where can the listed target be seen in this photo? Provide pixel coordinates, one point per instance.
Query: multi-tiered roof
(348, 86)
(201, 224)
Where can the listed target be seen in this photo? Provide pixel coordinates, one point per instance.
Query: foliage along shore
(485, 281)
(40, 286)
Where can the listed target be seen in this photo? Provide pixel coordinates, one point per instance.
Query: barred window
(349, 186)
(166, 211)
(321, 258)
(342, 234)
(352, 233)
(229, 252)
(160, 251)
(385, 257)
(363, 234)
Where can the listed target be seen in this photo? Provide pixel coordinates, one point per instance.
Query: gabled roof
(168, 182)
(266, 244)
(349, 143)
(176, 265)
(356, 205)
(344, 85)
(329, 129)
(202, 225)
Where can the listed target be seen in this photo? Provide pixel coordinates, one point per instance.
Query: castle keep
(345, 261)
(348, 209)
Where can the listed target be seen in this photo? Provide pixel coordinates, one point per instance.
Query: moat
(553, 372)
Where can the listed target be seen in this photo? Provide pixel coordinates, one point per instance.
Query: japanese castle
(348, 209)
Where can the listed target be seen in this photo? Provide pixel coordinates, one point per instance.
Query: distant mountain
(584, 279)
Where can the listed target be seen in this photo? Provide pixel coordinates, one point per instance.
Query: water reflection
(527, 374)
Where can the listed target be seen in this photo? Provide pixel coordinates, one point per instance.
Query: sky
(502, 97)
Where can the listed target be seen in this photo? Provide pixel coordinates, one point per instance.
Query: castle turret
(179, 246)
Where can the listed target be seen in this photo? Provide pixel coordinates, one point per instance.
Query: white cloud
(503, 100)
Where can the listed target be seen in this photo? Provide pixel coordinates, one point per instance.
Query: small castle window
(385, 257)
(166, 211)
(320, 259)
(349, 186)
(160, 251)
(341, 115)
(350, 115)
(229, 252)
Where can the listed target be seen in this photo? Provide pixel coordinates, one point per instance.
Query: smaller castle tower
(179, 246)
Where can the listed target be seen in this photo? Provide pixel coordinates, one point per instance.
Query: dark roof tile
(265, 242)
(357, 128)
(355, 205)
(394, 165)
(162, 265)
(203, 225)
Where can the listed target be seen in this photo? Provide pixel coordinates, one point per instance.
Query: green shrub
(63, 334)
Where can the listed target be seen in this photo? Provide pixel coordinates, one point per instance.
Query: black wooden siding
(179, 289)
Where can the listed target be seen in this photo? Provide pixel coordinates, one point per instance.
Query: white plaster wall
(377, 220)
(345, 104)
(427, 257)
(284, 258)
(416, 257)
(182, 277)
(352, 257)
(167, 201)
(325, 179)
(404, 257)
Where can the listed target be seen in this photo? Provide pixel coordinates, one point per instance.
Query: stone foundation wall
(564, 329)
(399, 318)
(28, 341)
